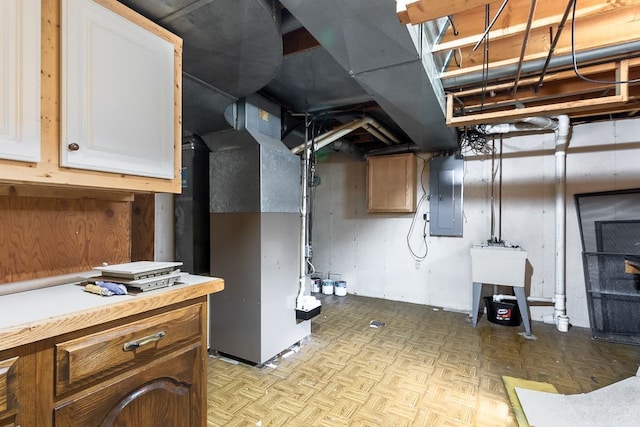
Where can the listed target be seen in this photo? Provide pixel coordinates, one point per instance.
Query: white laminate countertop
(42, 313)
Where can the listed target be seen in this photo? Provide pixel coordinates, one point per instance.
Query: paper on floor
(613, 405)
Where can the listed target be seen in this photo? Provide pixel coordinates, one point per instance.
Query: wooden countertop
(31, 316)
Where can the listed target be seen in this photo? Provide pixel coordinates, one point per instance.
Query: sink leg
(477, 290)
(524, 310)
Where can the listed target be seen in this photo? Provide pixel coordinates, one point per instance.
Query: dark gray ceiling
(366, 63)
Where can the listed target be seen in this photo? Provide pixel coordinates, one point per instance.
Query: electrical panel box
(445, 202)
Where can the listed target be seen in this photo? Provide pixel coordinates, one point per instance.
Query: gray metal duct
(203, 106)
(367, 40)
(233, 46)
(251, 170)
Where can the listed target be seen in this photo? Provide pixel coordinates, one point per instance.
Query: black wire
(416, 256)
(474, 139)
(485, 59)
(455, 32)
(575, 62)
(455, 59)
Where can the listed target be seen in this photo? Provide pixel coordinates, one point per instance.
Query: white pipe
(500, 128)
(542, 122)
(370, 124)
(561, 129)
(330, 136)
(501, 297)
(375, 132)
(526, 124)
(562, 138)
(303, 224)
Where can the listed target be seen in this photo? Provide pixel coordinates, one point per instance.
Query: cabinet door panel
(20, 80)
(167, 392)
(391, 183)
(117, 94)
(17, 387)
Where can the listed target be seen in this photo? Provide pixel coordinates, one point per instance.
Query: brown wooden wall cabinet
(391, 183)
(138, 362)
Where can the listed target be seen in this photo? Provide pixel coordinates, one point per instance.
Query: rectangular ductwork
(387, 59)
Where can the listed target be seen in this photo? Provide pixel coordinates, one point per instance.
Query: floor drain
(376, 324)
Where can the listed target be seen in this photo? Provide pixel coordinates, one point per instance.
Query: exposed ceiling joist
(602, 38)
(420, 11)
(611, 97)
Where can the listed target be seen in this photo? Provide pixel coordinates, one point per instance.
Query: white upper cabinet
(20, 80)
(117, 94)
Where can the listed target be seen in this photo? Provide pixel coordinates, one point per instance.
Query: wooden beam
(544, 110)
(631, 107)
(427, 10)
(401, 11)
(62, 193)
(550, 78)
(470, 25)
(299, 40)
(592, 33)
(622, 75)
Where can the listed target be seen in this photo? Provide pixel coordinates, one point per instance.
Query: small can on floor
(327, 287)
(340, 288)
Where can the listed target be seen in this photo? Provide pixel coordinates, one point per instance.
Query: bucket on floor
(327, 287)
(502, 312)
(316, 285)
(340, 288)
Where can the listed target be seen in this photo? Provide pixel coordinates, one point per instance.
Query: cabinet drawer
(92, 357)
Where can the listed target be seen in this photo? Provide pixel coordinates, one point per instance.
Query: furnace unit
(254, 206)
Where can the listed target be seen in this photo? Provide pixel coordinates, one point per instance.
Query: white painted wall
(370, 250)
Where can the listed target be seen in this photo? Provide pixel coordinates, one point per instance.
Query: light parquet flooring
(425, 367)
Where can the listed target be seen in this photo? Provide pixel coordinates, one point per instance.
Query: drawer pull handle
(132, 345)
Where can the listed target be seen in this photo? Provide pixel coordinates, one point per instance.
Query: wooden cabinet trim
(48, 171)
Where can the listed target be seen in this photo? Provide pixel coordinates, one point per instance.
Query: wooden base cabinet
(144, 370)
(166, 392)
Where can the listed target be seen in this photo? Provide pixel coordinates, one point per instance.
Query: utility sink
(498, 265)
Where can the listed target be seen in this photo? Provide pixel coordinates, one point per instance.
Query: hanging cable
(527, 32)
(485, 59)
(488, 25)
(453, 26)
(414, 254)
(575, 61)
(554, 43)
(459, 64)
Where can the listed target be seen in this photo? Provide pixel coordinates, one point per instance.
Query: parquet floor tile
(425, 367)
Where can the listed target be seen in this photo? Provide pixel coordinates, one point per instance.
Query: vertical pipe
(500, 195)
(303, 218)
(562, 137)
